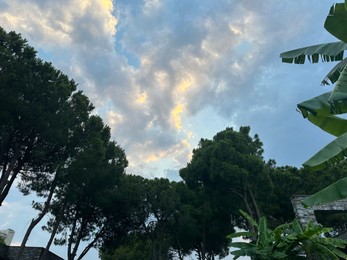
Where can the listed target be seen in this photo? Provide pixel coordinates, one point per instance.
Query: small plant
(288, 241)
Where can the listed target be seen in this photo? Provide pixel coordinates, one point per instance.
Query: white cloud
(150, 66)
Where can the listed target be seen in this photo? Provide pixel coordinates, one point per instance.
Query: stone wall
(304, 215)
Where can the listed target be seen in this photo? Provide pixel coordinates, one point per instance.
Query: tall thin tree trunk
(34, 222)
(70, 255)
(91, 244)
(79, 238)
(254, 202)
(54, 232)
(203, 242)
(14, 167)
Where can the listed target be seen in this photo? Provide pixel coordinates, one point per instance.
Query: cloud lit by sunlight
(176, 114)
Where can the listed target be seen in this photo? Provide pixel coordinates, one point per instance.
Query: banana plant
(287, 241)
(324, 110)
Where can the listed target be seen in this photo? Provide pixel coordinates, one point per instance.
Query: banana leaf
(318, 106)
(244, 249)
(262, 232)
(331, 124)
(335, 72)
(327, 52)
(323, 105)
(335, 191)
(339, 92)
(333, 152)
(336, 21)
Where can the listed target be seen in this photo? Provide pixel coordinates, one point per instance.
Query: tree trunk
(15, 167)
(54, 231)
(79, 238)
(254, 202)
(34, 222)
(203, 242)
(50, 241)
(91, 244)
(70, 255)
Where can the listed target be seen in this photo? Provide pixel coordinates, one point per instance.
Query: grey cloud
(225, 46)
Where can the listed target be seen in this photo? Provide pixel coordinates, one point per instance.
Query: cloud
(151, 67)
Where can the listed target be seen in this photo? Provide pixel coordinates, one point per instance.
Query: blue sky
(165, 73)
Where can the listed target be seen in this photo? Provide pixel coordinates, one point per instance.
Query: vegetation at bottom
(288, 241)
(54, 146)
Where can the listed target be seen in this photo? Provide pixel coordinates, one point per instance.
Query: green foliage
(288, 241)
(39, 111)
(336, 21)
(322, 110)
(225, 174)
(327, 52)
(135, 246)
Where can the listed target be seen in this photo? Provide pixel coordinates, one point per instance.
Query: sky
(165, 73)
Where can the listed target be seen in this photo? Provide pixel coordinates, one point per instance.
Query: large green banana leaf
(318, 106)
(333, 152)
(328, 52)
(331, 124)
(335, 191)
(322, 105)
(336, 21)
(339, 94)
(335, 72)
(320, 110)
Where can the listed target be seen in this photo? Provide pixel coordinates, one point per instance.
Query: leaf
(325, 252)
(336, 21)
(279, 255)
(335, 72)
(340, 90)
(244, 252)
(333, 152)
(317, 106)
(333, 192)
(328, 52)
(339, 253)
(262, 235)
(249, 218)
(296, 226)
(331, 124)
(245, 249)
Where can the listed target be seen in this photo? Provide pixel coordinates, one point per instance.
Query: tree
(80, 202)
(36, 113)
(134, 246)
(44, 184)
(322, 110)
(148, 218)
(225, 173)
(126, 213)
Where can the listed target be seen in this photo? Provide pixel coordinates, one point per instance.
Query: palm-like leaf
(333, 152)
(336, 21)
(335, 72)
(335, 191)
(339, 94)
(331, 124)
(320, 111)
(327, 52)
